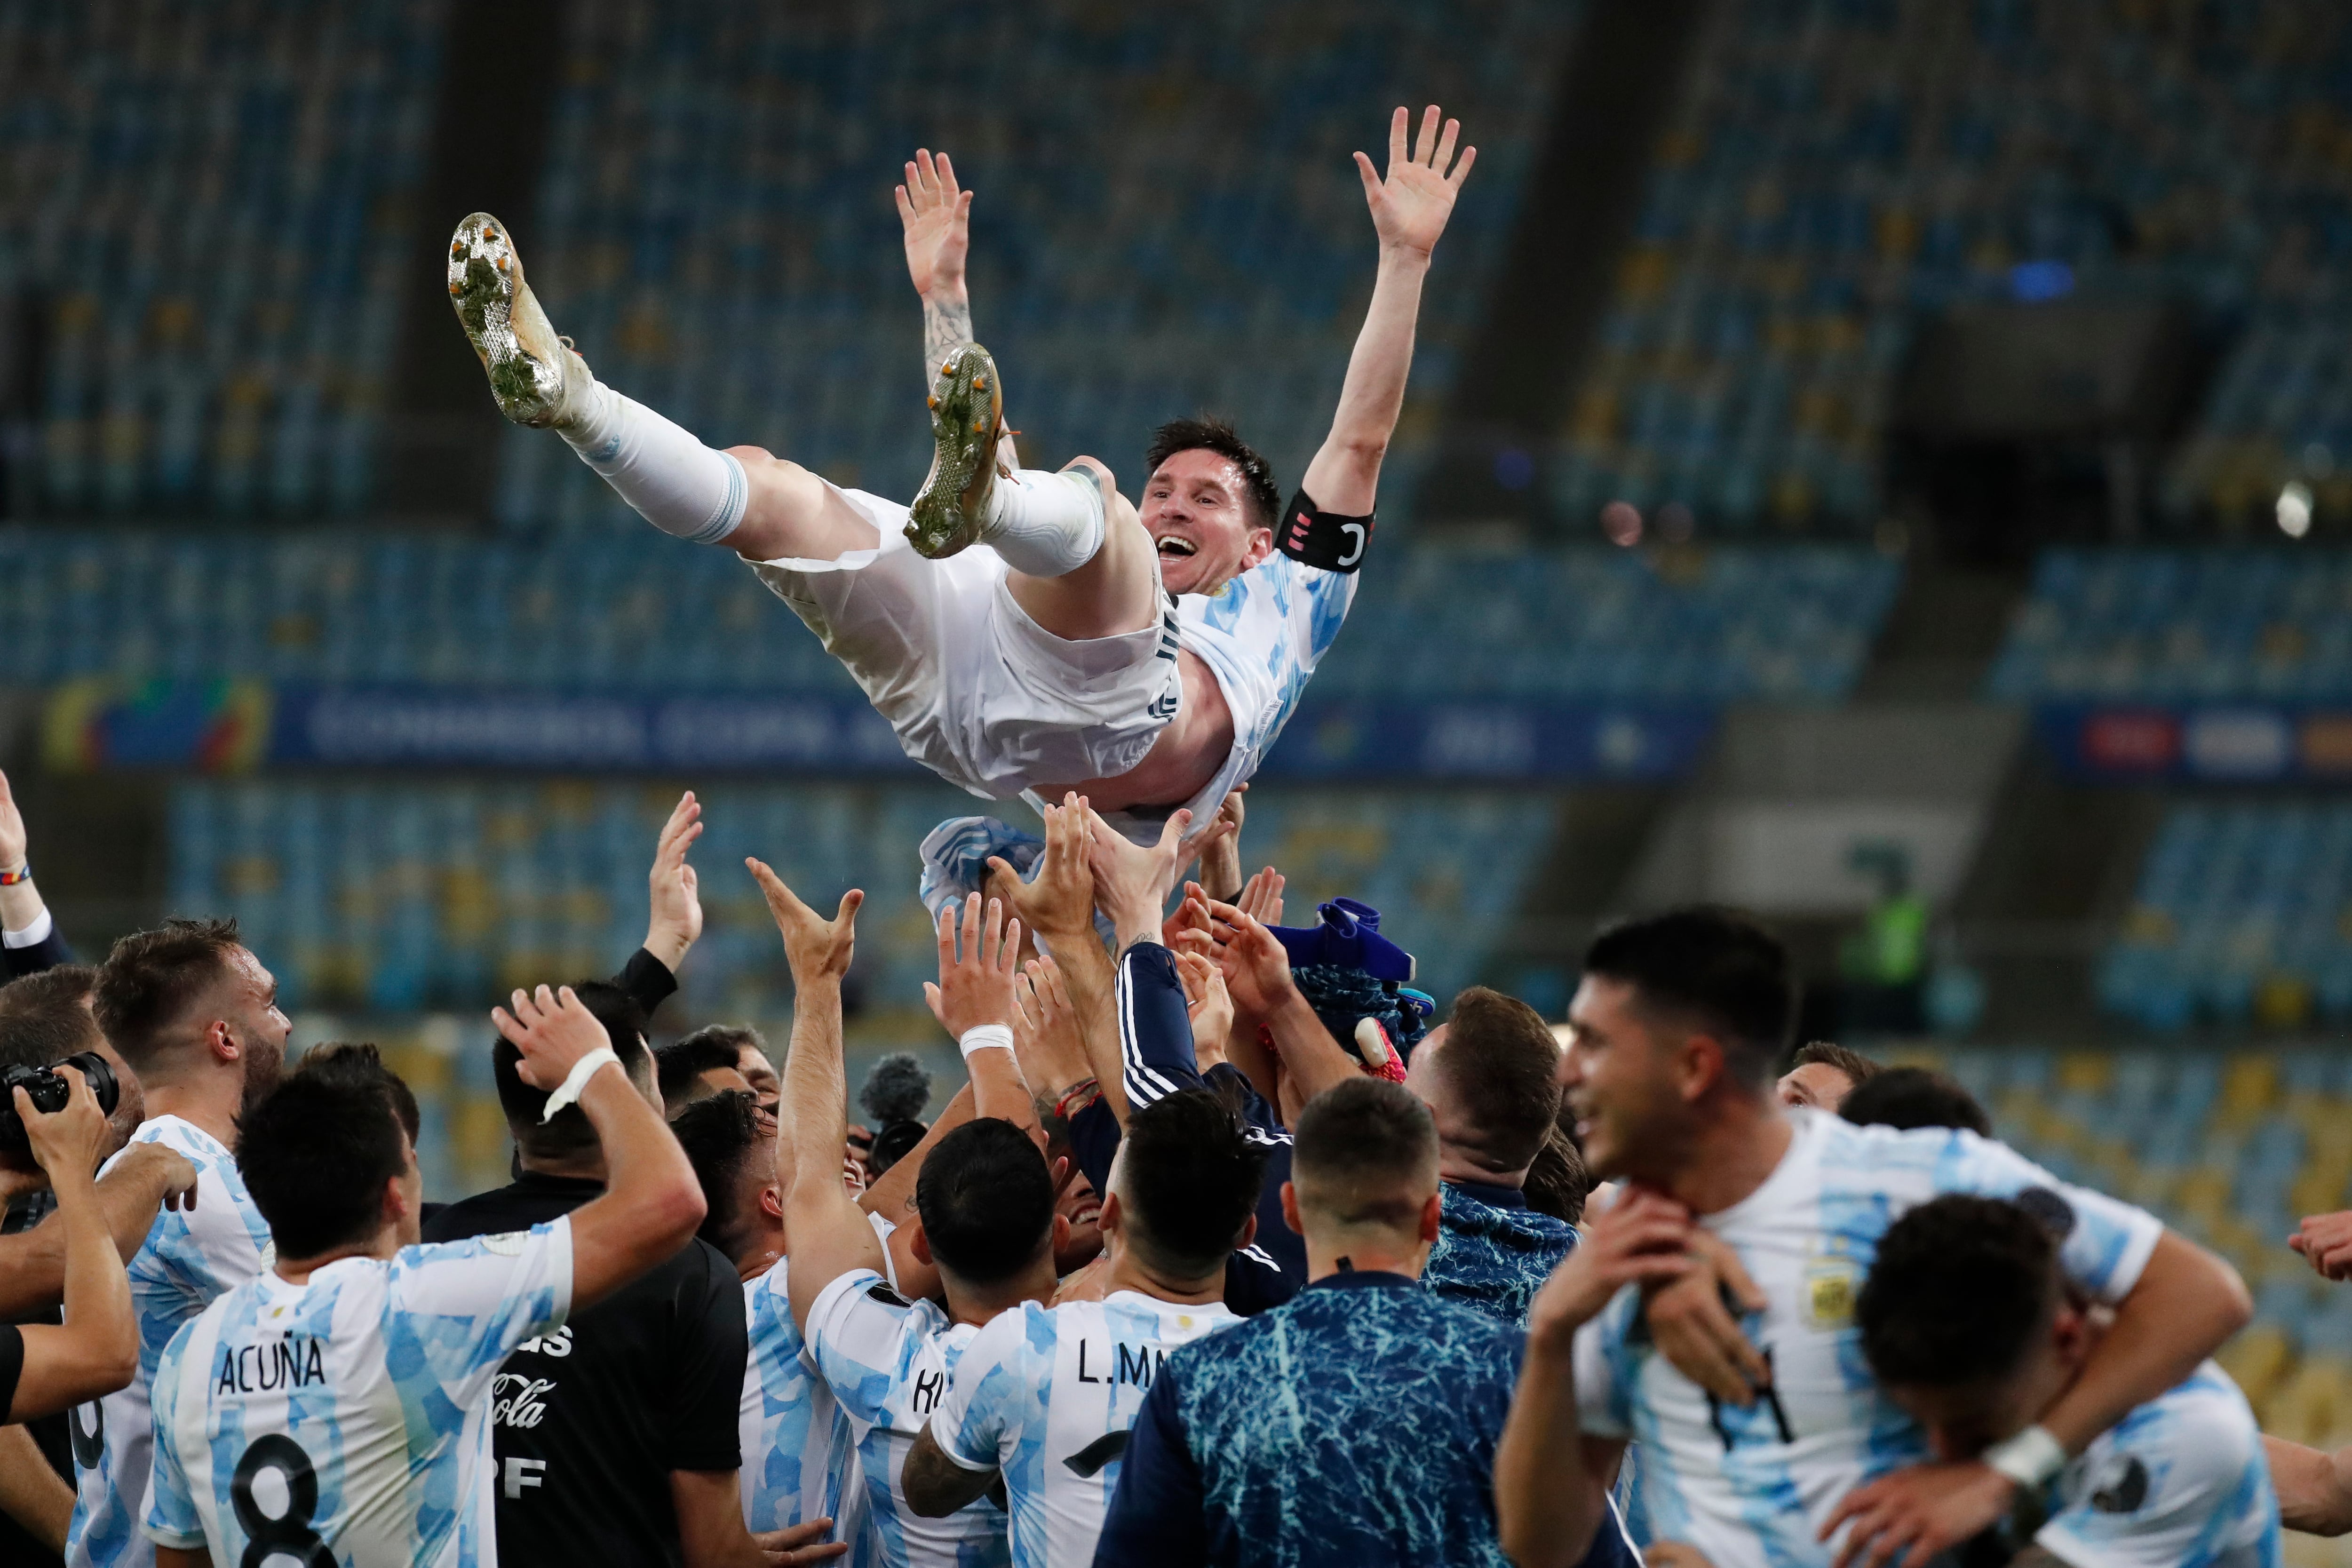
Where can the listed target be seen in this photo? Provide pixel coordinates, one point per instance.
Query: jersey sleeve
(856, 1329)
(2104, 1242)
(707, 1396)
(1604, 1374)
(215, 1247)
(454, 1309)
(1158, 1508)
(1155, 1031)
(987, 1398)
(169, 1512)
(2179, 1480)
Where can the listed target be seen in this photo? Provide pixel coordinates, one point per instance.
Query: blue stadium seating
(2181, 625)
(214, 205)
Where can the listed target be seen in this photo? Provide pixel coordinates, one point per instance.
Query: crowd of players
(1223, 1254)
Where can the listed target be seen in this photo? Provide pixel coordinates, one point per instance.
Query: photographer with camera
(29, 941)
(45, 1367)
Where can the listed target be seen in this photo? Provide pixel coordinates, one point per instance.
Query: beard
(263, 1072)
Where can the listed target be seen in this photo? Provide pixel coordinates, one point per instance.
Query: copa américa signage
(2215, 742)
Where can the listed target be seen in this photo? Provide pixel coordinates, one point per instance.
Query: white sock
(677, 484)
(1044, 524)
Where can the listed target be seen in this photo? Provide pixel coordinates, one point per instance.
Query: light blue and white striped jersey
(1047, 1395)
(797, 1449)
(888, 1360)
(2180, 1483)
(1751, 1488)
(347, 1419)
(190, 1259)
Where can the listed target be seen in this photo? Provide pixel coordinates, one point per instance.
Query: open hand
(1046, 1043)
(676, 920)
(1253, 961)
(1058, 904)
(1261, 896)
(1132, 880)
(552, 1030)
(937, 219)
(1411, 206)
(73, 1138)
(975, 984)
(1919, 1512)
(816, 949)
(1208, 1005)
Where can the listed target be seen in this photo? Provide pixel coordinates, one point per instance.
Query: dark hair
(1189, 1174)
(720, 1133)
(315, 1154)
(357, 1062)
(153, 977)
(569, 1131)
(1960, 1287)
(986, 1201)
(1501, 1064)
(1715, 964)
(1371, 1135)
(734, 1037)
(1557, 1182)
(43, 1018)
(1208, 434)
(1915, 1097)
(678, 1068)
(1858, 1069)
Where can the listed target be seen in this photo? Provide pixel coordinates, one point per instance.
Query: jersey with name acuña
(1048, 1394)
(1752, 1487)
(888, 1360)
(347, 1419)
(190, 1259)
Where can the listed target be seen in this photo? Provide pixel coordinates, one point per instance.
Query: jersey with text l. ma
(1047, 1395)
(190, 1259)
(347, 1419)
(797, 1456)
(2180, 1483)
(888, 1360)
(1752, 1487)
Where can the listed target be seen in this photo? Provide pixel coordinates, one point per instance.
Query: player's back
(888, 1360)
(349, 1414)
(797, 1454)
(1048, 1395)
(190, 1257)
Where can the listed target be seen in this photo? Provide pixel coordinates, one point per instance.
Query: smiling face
(1618, 1075)
(1081, 1207)
(1196, 506)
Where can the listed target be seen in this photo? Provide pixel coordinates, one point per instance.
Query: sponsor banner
(2218, 742)
(226, 725)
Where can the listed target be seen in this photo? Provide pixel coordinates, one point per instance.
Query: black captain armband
(1316, 538)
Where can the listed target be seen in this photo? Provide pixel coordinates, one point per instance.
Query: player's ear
(1429, 1212)
(1260, 546)
(772, 1203)
(1291, 1208)
(1249, 1230)
(1061, 1232)
(920, 1242)
(1111, 1218)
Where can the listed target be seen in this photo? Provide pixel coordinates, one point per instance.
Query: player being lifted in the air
(1050, 659)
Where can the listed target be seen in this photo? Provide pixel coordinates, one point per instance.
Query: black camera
(49, 1090)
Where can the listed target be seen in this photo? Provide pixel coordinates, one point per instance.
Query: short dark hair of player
(722, 1134)
(45, 1019)
(1188, 1178)
(359, 1062)
(986, 1201)
(1365, 1153)
(1960, 1286)
(1500, 1064)
(1213, 435)
(1557, 1182)
(734, 1037)
(1915, 1097)
(1718, 966)
(1858, 1069)
(569, 1130)
(678, 1068)
(151, 978)
(315, 1154)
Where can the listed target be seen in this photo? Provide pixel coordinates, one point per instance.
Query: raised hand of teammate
(935, 216)
(676, 922)
(975, 984)
(815, 947)
(1410, 205)
(1221, 858)
(1254, 963)
(1208, 1005)
(1261, 898)
(1058, 904)
(1132, 880)
(1697, 1333)
(1046, 1041)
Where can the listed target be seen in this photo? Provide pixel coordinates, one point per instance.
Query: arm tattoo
(946, 328)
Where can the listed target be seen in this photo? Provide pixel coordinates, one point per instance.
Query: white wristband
(2030, 1458)
(985, 1037)
(577, 1079)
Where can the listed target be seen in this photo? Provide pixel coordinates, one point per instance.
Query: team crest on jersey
(1830, 1286)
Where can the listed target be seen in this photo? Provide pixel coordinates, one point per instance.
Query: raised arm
(1409, 212)
(1059, 904)
(96, 1350)
(675, 895)
(33, 1262)
(652, 1201)
(973, 1001)
(32, 940)
(1258, 971)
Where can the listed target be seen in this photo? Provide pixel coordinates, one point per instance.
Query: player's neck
(209, 1104)
(967, 1304)
(298, 1271)
(1360, 1258)
(1128, 1272)
(763, 1253)
(1455, 1166)
(1733, 1151)
(585, 1166)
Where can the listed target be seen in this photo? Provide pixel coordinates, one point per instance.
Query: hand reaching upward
(1411, 206)
(937, 218)
(675, 923)
(817, 949)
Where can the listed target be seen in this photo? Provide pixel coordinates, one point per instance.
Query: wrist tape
(2030, 1458)
(577, 1079)
(985, 1037)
